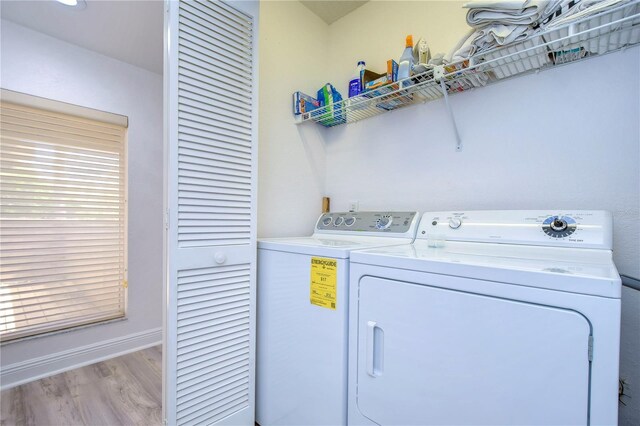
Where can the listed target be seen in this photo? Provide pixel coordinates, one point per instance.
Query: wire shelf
(601, 33)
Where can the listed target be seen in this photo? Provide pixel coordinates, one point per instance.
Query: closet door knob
(220, 258)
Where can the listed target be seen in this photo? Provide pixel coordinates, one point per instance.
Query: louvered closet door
(211, 101)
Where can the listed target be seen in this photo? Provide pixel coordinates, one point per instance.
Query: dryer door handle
(375, 349)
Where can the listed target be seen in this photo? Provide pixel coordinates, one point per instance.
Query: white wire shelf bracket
(438, 75)
(596, 35)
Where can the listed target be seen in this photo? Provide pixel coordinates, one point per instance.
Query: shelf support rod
(438, 74)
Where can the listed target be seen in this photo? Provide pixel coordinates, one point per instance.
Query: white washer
(490, 317)
(301, 373)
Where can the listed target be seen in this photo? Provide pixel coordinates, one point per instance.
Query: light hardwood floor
(126, 390)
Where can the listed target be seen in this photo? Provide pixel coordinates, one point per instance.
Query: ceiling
(127, 30)
(332, 10)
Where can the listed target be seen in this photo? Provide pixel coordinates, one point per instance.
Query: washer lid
(338, 246)
(582, 271)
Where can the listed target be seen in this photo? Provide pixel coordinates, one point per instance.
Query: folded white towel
(498, 35)
(487, 38)
(509, 12)
(504, 4)
(464, 49)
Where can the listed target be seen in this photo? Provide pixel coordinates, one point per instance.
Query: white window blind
(62, 220)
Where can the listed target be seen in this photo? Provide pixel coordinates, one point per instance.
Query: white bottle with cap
(406, 62)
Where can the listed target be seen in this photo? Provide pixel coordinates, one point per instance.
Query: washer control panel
(401, 223)
(578, 228)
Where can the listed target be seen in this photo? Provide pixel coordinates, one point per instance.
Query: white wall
(293, 51)
(539, 141)
(567, 138)
(39, 65)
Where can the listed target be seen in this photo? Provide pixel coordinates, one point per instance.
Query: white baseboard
(37, 368)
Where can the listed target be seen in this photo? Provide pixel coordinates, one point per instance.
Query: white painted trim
(37, 368)
(170, 313)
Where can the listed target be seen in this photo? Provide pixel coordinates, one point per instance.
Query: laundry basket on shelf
(575, 37)
(517, 58)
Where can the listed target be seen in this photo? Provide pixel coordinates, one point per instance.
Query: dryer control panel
(401, 224)
(561, 228)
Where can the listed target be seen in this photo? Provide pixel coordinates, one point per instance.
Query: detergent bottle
(355, 84)
(406, 62)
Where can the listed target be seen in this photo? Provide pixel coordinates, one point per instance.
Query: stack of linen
(521, 27)
(511, 23)
(503, 22)
(510, 37)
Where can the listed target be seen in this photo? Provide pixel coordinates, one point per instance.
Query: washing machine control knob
(558, 224)
(327, 221)
(350, 221)
(384, 222)
(338, 221)
(455, 222)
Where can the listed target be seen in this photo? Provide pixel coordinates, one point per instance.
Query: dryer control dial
(384, 222)
(559, 226)
(455, 222)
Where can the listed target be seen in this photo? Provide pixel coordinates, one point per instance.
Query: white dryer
(302, 320)
(490, 317)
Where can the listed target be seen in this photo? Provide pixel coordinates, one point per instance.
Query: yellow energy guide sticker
(323, 282)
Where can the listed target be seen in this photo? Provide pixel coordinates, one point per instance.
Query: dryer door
(428, 355)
